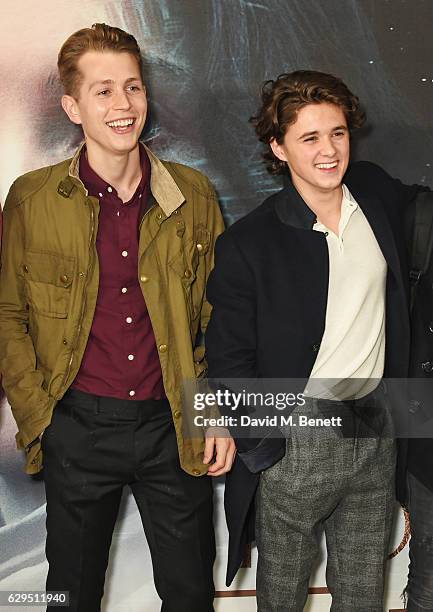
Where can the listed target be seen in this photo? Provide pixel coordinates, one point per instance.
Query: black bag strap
(422, 241)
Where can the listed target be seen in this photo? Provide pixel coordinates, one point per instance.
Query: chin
(331, 186)
(125, 147)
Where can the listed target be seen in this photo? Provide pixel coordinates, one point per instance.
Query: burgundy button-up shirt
(121, 358)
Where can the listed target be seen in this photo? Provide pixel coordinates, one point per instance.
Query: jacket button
(196, 472)
(25, 268)
(199, 247)
(431, 327)
(162, 348)
(315, 347)
(427, 366)
(144, 278)
(64, 341)
(187, 274)
(64, 278)
(159, 216)
(177, 414)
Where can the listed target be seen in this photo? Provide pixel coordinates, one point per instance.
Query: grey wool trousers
(343, 486)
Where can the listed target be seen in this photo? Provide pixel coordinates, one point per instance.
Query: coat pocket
(48, 281)
(190, 266)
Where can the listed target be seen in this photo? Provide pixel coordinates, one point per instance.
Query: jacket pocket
(48, 280)
(190, 266)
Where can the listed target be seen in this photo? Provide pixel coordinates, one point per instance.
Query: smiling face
(316, 149)
(111, 105)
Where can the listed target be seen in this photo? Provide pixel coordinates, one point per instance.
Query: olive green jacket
(49, 285)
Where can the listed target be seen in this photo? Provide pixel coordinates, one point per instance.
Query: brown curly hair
(284, 97)
(100, 37)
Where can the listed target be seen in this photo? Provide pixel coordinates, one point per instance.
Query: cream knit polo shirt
(350, 361)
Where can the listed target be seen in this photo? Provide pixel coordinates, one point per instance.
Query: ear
(70, 106)
(278, 150)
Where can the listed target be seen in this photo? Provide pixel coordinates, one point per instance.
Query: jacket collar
(163, 187)
(291, 208)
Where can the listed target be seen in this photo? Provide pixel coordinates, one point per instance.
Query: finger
(223, 446)
(208, 449)
(230, 457)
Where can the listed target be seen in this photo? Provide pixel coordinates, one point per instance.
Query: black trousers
(92, 448)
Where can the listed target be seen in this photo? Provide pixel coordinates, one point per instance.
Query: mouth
(327, 167)
(121, 126)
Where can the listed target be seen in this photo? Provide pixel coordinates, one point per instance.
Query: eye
(103, 93)
(310, 139)
(340, 133)
(134, 88)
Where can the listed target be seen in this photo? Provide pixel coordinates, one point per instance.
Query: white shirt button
(124, 289)
(100, 195)
(132, 393)
(118, 213)
(129, 319)
(130, 357)
(109, 189)
(124, 253)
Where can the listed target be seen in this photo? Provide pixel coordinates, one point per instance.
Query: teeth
(121, 123)
(325, 166)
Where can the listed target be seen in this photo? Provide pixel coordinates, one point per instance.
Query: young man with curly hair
(311, 286)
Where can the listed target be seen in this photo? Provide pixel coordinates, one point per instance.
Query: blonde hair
(100, 37)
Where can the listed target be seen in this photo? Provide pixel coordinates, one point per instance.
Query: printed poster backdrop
(204, 63)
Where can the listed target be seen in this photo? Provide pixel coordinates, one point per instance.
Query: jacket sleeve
(215, 226)
(231, 343)
(231, 333)
(21, 379)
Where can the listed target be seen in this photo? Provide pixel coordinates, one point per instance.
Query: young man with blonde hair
(102, 298)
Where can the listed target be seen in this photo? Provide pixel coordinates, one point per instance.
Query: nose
(121, 100)
(328, 147)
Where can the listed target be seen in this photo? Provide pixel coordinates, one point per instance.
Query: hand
(223, 448)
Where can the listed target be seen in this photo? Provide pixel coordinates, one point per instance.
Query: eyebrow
(314, 132)
(110, 82)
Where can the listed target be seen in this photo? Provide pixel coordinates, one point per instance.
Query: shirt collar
(97, 186)
(163, 187)
(348, 207)
(348, 198)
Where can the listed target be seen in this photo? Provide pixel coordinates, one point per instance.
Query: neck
(122, 171)
(325, 204)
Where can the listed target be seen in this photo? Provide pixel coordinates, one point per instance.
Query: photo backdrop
(204, 63)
